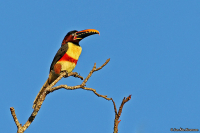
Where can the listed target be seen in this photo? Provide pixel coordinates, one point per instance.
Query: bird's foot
(65, 76)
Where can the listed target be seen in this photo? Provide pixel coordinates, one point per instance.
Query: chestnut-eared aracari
(67, 56)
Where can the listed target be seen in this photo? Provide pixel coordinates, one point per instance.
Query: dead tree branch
(21, 129)
(50, 88)
(117, 115)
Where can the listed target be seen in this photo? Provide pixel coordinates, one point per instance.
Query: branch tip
(12, 109)
(129, 97)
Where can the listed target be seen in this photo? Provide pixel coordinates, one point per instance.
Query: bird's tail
(46, 84)
(50, 79)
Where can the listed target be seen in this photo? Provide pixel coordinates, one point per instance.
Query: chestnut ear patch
(57, 68)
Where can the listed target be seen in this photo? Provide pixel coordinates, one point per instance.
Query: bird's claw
(65, 76)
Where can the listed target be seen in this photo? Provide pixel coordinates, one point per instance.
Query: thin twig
(91, 89)
(75, 74)
(93, 70)
(12, 110)
(115, 109)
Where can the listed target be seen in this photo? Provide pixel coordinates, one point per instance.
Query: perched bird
(67, 56)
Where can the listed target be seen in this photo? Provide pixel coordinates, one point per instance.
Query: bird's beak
(84, 33)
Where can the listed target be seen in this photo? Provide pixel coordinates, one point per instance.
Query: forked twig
(117, 115)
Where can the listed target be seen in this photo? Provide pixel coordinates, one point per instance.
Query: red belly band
(66, 57)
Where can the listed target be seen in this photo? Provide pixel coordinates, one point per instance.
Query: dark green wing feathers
(63, 49)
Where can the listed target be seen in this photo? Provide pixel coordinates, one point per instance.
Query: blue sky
(154, 50)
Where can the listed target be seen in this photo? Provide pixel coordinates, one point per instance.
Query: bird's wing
(63, 49)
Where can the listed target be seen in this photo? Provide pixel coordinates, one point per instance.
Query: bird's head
(76, 36)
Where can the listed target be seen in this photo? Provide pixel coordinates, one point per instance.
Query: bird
(66, 57)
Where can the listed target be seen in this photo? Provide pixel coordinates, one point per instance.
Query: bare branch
(91, 89)
(122, 104)
(93, 70)
(12, 110)
(77, 87)
(75, 74)
(114, 106)
(117, 115)
(49, 89)
(103, 65)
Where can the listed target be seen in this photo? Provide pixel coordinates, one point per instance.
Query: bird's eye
(73, 34)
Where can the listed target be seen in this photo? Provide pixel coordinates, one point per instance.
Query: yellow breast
(74, 51)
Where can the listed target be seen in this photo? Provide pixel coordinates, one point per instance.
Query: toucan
(66, 57)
